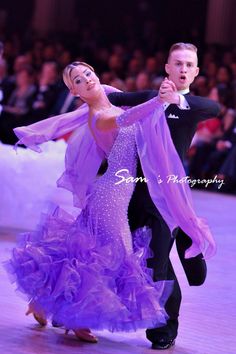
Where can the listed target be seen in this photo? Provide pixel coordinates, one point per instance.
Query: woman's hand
(168, 92)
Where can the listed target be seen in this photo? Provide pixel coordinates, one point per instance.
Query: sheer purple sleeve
(51, 128)
(159, 160)
(137, 113)
(54, 127)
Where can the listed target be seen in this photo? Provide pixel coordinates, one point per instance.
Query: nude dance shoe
(84, 334)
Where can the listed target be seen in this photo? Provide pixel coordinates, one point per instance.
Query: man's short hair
(182, 45)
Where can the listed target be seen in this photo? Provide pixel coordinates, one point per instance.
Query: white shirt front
(183, 102)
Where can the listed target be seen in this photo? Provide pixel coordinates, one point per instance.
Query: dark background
(173, 20)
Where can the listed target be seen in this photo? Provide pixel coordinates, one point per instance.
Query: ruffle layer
(75, 282)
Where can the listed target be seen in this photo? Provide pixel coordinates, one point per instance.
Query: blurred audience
(6, 85)
(31, 88)
(143, 81)
(48, 89)
(16, 111)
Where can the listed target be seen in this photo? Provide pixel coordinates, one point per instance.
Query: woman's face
(85, 82)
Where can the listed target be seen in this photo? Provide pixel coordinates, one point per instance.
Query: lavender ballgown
(88, 272)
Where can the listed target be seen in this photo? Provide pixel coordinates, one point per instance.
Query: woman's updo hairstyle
(68, 70)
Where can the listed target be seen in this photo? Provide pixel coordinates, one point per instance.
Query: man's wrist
(177, 99)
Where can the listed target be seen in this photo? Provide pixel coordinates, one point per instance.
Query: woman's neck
(99, 102)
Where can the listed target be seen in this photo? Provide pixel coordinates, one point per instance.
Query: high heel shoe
(85, 335)
(39, 318)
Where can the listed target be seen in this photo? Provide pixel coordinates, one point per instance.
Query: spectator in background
(134, 67)
(200, 86)
(118, 83)
(64, 58)
(116, 66)
(49, 87)
(140, 56)
(106, 77)
(212, 143)
(2, 71)
(233, 68)
(37, 53)
(224, 148)
(227, 171)
(130, 84)
(228, 57)
(156, 83)
(65, 103)
(17, 110)
(151, 68)
(49, 53)
(160, 60)
(223, 89)
(143, 81)
(6, 87)
(20, 62)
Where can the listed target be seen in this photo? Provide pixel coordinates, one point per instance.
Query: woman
(86, 272)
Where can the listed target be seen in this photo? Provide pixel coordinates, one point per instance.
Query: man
(6, 86)
(183, 114)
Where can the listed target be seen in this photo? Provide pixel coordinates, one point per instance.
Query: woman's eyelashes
(87, 74)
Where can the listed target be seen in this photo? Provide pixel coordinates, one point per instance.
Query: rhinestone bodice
(108, 203)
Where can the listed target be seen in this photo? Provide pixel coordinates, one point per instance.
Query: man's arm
(131, 99)
(204, 106)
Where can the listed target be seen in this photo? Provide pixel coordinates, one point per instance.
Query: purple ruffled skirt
(78, 283)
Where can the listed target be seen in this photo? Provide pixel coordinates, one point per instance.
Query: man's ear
(197, 71)
(167, 68)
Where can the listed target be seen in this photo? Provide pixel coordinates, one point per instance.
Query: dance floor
(208, 313)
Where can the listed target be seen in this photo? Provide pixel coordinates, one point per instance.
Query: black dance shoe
(163, 344)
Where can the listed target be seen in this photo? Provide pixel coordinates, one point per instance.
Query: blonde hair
(68, 70)
(182, 46)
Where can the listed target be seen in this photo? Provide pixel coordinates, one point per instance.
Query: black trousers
(142, 211)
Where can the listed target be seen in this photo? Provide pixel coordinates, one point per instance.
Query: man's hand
(168, 92)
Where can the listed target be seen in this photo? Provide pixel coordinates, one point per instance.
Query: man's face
(182, 68)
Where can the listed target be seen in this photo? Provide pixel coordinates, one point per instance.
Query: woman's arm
(51, 128)
(104, 122)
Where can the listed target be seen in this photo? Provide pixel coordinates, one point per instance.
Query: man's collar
(183, 92)
(183, 103)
